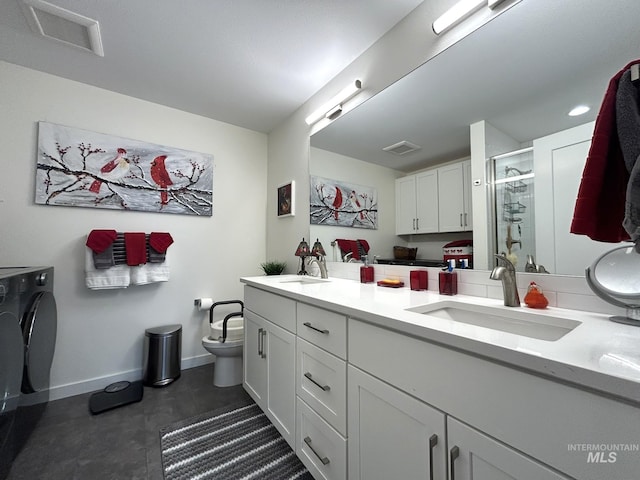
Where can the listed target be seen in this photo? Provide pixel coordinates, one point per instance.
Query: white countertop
(598, 354)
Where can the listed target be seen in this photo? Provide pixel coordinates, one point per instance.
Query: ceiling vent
(402, 148)
(63, 25)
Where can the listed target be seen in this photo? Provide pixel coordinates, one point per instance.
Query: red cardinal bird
(161, 177)
(355, 203)
(337, 202)
(112, 170)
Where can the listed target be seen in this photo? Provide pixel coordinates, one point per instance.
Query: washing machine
(28, 326)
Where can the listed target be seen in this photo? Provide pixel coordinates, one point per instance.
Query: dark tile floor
(124, 443)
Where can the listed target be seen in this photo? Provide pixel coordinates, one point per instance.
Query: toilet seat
(235, 329)
(219, 349)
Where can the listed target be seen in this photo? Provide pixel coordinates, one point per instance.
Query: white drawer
(325, 329)
(321, 381)
(320, 447)
(276, 309)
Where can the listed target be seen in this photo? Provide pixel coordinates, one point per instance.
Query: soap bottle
(366, 271)
(448, 280)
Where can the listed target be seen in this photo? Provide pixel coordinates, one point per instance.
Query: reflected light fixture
(303, 251)
(579, 110)
(333, 108)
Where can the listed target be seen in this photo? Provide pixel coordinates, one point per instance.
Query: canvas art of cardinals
(87, 169)
(335, 202)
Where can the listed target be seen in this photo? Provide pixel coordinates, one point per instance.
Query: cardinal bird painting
(161, 177)
(337, 202)
(112, 170)
(81, 168)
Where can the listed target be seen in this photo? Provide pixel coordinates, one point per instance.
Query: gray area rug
(231, 444)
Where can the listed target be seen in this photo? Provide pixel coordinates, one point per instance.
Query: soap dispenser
(366, 271)
(448, 280)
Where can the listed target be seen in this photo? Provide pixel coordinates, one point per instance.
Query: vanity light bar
(334, 106)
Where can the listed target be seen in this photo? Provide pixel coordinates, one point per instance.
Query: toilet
(227, 370)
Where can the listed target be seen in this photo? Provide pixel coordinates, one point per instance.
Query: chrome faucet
(322, 265)
(506, 272)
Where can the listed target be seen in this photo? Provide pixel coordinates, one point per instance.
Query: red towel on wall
(100, 240)
(135, 245)
(600, 206)
(160, 241)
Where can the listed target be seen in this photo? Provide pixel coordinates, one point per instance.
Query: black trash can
(162, 352)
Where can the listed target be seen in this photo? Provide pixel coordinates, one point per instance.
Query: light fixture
(455, 14)
(579, 110)
(303, 251)
(318, 249)
(333, 107)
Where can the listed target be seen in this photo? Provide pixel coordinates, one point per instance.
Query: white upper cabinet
(454, 202)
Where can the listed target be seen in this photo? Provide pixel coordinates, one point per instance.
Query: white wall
(351, 170)
(100, 333)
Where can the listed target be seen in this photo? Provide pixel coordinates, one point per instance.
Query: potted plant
(273, 267)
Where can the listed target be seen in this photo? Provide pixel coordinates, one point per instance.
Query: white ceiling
(522, 72)
(250, 63)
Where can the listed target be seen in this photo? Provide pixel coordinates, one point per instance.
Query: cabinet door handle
(461, 220)
(264, 334)
(260, 342)
(324, 330)
(414, 224)
(417, 224)
(324, 460)
(453, 454)
(465, 220)
(433, 441)
(326, 388)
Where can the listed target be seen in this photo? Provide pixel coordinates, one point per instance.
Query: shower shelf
(516, 187)
(514, 207)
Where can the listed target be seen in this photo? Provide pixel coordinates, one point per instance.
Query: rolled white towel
(117, 276)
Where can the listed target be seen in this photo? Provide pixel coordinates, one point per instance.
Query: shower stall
(512, 178)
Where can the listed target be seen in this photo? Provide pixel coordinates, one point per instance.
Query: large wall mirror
(519, 75)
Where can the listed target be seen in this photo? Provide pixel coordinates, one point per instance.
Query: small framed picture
(286, 199)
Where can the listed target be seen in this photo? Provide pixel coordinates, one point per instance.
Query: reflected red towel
(599, 209)
(100, 240)
(365, 245)
(349, 246)
(160, 241)
(135, 244)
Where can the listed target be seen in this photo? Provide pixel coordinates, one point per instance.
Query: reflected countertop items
(586, 356)
(418, 262)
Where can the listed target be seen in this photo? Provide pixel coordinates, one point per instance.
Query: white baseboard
(95, 384)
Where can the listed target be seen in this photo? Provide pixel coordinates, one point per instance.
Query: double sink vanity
(367, 382)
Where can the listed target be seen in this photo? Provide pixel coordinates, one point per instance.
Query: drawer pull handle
(308, 324)
(324, 460)
(326, 388)
(433, 441)
(453, 454)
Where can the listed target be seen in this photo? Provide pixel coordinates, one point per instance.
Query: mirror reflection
(507, 86)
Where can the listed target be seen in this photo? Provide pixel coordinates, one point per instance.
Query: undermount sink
(305, 280)
(518, 321)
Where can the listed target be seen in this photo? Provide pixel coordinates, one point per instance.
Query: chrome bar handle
(324, 460)
(453, 454)
(433, 441)
(326, 388)
(414, 224)
(324, 330)
(465, 219)
(417, 224)
(461, 220)
(260, 342)
(264, 334)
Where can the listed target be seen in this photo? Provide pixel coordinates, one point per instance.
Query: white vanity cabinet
(475, 456)
(417, 203)
(454, 197)
(391, 434)
(321, 383)
(269, 357)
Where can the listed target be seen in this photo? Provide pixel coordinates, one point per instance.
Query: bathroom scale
(115, 395)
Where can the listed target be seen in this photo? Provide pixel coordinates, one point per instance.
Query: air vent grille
(63, 25)
(402, 148)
